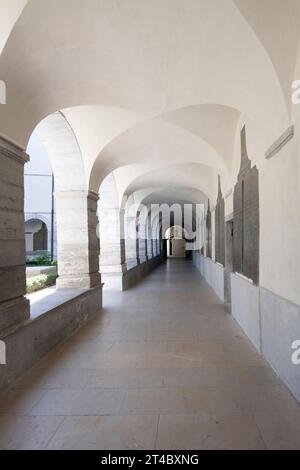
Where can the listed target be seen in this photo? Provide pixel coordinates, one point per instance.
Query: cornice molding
(228, 193)
(280, 142)
(11, 150)
(80, 193)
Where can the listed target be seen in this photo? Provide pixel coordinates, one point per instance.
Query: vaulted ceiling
(153, 90)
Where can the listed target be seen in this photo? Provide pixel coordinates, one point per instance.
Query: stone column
(154, 246)
(142, 237)
(131, 242)
(156, 239)
(149, 238)
(158, 234)
(112, 247)
(77, 239)
(14, 307)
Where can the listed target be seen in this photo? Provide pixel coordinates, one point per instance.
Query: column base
(113, 281)
(80, 281)
(13, 312)
(131, 263)
(136, 274)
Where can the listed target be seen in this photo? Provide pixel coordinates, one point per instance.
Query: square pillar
(112, 248)
(143, 248)
(14, 307)
(142, 217)
(149, 249)
(154, 247)
(149, 237)
(77, 240)
(131, 242)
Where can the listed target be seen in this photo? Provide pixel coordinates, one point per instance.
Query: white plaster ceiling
(147, 86)
(267, 18)
(170, 197)
(10, 10)
(193, 176)
(147, 57)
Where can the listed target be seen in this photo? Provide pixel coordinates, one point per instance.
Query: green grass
(44, 260)
(40, 282)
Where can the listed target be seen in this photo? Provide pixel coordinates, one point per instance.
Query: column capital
(12, 150)
(82, 194)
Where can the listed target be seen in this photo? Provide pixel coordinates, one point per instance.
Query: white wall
(37, 188)
(212, 272)
(279, 258)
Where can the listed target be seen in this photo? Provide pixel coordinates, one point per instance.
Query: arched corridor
(152, 371)
(150, 155)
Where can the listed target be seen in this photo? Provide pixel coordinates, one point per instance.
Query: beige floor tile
(257, 375)
(154, 401)
(165, 360)
(194, 346)
(206, 432)
(90, 402)
(126, 378)
(167, 347)
(88, 347)
(19, 402)
(222, 400)
(107, 360)
(106, 432)
(169, 334)
(27, 432)
(269, 398)
(131, 335)
(280, 431)
(247, 358)
(199, 377)
(51, 377)
(139, 347)
(186, 432)
(237, 431)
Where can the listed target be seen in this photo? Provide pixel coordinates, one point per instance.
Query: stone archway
(36, 237)
(176, 242)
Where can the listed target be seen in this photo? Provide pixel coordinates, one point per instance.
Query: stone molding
(78, 193)
(228, 193)
(280, 142)
(11, 150)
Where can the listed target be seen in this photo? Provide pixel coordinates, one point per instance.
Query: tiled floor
(163, 366)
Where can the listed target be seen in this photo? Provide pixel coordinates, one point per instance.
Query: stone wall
(212, 272)
(136, 274)
(54, 319)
